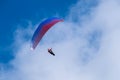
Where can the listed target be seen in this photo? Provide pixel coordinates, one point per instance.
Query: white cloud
(86, 47)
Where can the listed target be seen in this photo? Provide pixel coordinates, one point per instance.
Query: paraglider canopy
(43, 27)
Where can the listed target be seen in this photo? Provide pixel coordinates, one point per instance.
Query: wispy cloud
(86, 47)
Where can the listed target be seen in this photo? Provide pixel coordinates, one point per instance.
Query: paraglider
(42, 29)
(51, 52)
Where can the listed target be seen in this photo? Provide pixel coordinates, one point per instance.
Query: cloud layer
(86, 45)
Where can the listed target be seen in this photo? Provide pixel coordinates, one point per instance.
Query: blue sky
(86, 44)
(18, 12)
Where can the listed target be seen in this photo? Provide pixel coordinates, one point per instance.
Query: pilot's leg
(52, 53)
